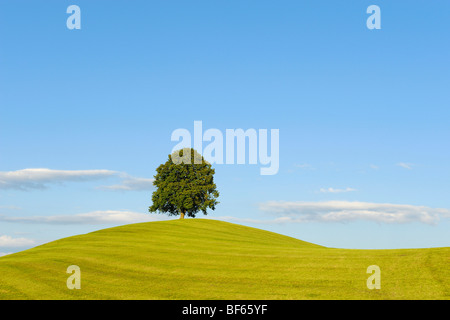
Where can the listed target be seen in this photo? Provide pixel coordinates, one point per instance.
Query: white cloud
(9, 242)
(39, 178)
(10, 207)
(132, 183)
(345, 211)
(405, 165)
(4, 253)
(333, 190)
(246, 220)
(304, 166)
(94, 217)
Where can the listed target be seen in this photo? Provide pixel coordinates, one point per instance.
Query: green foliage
(184, 185)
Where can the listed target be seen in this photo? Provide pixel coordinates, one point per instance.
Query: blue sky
(363, 115)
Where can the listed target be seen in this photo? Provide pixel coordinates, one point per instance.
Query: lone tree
(184, 185)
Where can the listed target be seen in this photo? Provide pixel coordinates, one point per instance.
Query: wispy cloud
(89, 218)
(333, 190)
(345, 211)
(131, 183)
(9, 242)
(40, 178)
(10, 207)
(4, 253)
(405, 165)
(303, 166)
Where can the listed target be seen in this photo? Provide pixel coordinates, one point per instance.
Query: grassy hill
(208, 259)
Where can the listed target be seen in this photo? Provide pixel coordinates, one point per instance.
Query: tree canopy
(184, 185)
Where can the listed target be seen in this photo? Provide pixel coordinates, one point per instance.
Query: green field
(209, 259)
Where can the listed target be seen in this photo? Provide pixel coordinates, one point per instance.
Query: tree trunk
(182, 215)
